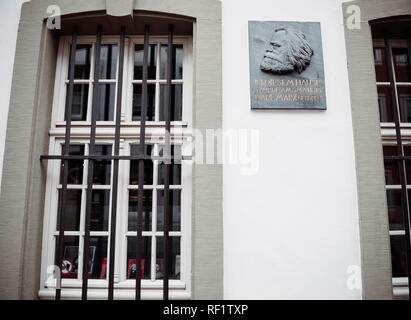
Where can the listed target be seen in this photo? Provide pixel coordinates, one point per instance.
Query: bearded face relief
(288, 51)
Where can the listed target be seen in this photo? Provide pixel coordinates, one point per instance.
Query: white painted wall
(291, 230)
(9, 20)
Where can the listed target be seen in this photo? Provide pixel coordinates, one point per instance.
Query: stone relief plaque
(286, 65)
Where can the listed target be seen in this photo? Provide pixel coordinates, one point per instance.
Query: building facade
(268, 203)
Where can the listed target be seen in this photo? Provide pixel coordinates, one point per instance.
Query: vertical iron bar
(66, 151)
(115, 167)
(167, 154)
(407, 222)
(94, 111)
(139, 237)
(401, 163)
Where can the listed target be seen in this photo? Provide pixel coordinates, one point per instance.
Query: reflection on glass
(97, 263)
(145, 260)
(395, 209)
(105, 110)
(177, 62)
(402, 72)
(72, 210)
(108, 61)
(137, 102)
(390, 150)
(100, 208)
(384, 104)
(175, 167)
(138, 61)
(398, 256)
(75, 167)
(82, 62)
(148, 165)
(175, 212)
(102, 168)
(174, 258)
(79, 103)
(133, 209)
(381, 69)
(70, 256)
(176, 102)
(392, 176)
(404, 99)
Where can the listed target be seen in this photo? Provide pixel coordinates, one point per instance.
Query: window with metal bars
(121, 190)
(392, 53)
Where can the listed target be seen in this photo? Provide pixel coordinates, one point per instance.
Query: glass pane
(82, 62)
(108, 61)
(70, 256)
(148, 165)
(100, 208)
(176, 102)
(106, 104)
(177, 62)
(145, 260)
(395, 209)
(398, 256)
(174, 258)
(408, 171)
(385, 104)
(392, 176)
(175, 205)
(138, 61)
(380, 61)
(72, 211)
(79, 104)
(137, 96)
(407, 152)
(133, 208)
(97, 262)
(402, 72)
(175, 167)
(407, 149)
(102, 169)
(390, 150)
(75, 167)
(404, 100)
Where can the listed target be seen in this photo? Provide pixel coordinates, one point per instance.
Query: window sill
(127, 284)
(400, 288)
(125, 290)
(120, 294)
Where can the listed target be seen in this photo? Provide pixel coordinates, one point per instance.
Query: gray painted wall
(23, 184)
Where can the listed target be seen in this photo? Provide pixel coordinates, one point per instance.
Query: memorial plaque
(286, 65)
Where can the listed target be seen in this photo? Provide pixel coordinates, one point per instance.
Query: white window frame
(80, 131)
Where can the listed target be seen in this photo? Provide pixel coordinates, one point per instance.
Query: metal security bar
(115, 169)
(167, 156)
(96, 88)
(139, 237)
(401, 159)
(66, 149)
(115, 157)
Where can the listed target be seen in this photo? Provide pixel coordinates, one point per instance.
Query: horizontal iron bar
(101, 158)
(397, 158)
